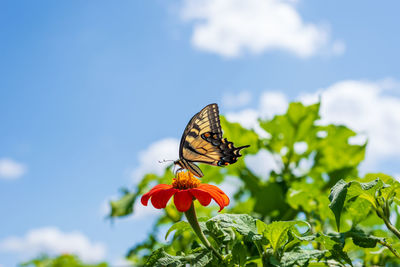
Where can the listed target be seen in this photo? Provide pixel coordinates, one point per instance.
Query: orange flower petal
(201, 195)
(145, 198)
(217, 194)
(161, 197)
(183, 200)
(222, 193)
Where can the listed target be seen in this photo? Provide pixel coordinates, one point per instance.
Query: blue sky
(87, 87)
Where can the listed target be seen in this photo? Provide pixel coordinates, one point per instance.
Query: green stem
(261, 252)
(192, 219)
(388, 224)
(392, 249)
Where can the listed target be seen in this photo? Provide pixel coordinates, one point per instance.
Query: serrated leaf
(222, 226)
(198, 258)
(277, 232)
(301, 257)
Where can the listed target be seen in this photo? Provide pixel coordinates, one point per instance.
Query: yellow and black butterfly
(202, 142)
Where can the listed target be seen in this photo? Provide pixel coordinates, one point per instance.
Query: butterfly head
(179, 163)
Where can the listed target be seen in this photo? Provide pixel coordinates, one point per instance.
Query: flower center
(185, 180)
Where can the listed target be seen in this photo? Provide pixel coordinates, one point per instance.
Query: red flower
(185, 188)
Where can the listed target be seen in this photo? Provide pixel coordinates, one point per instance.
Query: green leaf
(342, 192)
(180, 227)
(221, 226)
(295, 126)
(361, 239)
(198, 258)
(301, 257)
(335, 246)
(358, 211)
(123, 206)
(391, 187)
(239, 253)
(334, 151)
(277, 233)
(337, 198)
(365, 190)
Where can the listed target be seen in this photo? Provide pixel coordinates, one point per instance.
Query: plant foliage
(308, 208)
(306, 204)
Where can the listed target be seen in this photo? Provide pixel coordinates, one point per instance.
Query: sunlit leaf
(277, 232)
(198, 258)
(221, 226)
(335, 246)
(301, 257)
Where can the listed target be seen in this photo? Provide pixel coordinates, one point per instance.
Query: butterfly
(202, 142)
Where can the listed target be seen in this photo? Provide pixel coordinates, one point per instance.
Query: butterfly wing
(202, 142)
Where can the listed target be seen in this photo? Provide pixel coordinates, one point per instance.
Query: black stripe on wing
(208, 117)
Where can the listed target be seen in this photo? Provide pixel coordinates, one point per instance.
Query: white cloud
(158, 151)
(146, 211)
(262, 163)
(272, 103)
(52, 241)
(233, 27)
(230, 100)
(122, 262)
(10, 169)
(367, 108)
(230, 185)
(248, 118)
